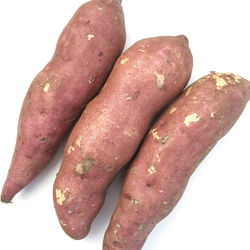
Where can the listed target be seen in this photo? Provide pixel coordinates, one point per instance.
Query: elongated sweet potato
(144, 79)
(84, 56)
(174, 147)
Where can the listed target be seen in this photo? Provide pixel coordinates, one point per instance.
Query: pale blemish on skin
(90, 36)
(155, 134)
(161, 191)
(78, 141)
(212, 114)
(60, 197)
(101, 9)
(134, 201)
(142, 50)
(189, 90)
(91, 79)
(70, 149)
(191, 118)
(46, 87)
(129, 98)
(124, 60)
(220, 82)
(158, 157)
(160, 78)
(152, 169)
(172, 110)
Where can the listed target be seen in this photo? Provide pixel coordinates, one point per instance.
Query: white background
(214, 211)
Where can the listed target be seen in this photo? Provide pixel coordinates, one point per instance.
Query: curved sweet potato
(84, 56)
(144, 79)
(186, 132)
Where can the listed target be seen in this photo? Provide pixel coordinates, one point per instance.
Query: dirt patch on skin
(84, 166)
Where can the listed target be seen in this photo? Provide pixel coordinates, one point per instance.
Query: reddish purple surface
(79, 67)
(114, 124)
(174, 160)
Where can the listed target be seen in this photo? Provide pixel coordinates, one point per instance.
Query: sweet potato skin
(84, 56)
(186, 132)
(144, 79)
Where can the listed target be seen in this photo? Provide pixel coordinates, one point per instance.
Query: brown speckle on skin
(109, 168)
(43, 139)
(84, 167)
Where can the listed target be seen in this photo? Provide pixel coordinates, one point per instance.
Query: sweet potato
(144, 79)
(84, 56)
(180, 139)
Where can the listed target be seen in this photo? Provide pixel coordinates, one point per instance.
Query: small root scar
(90, 36)
(117, 228)
(160, 79)
(191, 118)
(152, 169)
(63, 223)
(124, 60)
(189, 90)
(172, 110)
(46, 87)
(154, 133)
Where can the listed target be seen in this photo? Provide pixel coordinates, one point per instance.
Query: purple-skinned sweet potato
(144, 79)
(179, 140)
(85, 54)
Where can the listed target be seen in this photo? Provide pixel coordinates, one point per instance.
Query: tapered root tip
(184, 39)
(4, 200)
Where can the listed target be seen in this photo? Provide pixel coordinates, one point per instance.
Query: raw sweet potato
(84, 56)
(174, 147)
(144, 79)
